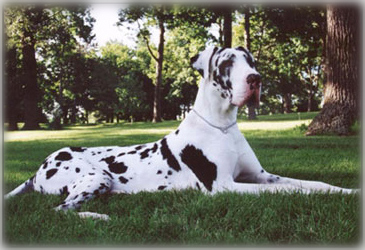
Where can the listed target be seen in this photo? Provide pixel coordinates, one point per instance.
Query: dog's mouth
(252, 99)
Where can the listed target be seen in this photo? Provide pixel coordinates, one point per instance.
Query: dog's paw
(93, 216)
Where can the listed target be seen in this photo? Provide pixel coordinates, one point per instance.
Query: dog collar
(223, 129)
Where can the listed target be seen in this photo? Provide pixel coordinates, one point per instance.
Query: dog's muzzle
(253, 91)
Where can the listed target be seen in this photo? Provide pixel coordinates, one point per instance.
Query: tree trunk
(86, 117)
(310, 93)
(340, 108)
(73, 114)
(310, 97)
(64, 115)
(31, 111)
(227, 28)
(287, 103)
(251, 109)
(247, 28)
(221, 39)
(13, 90)
(159, 65)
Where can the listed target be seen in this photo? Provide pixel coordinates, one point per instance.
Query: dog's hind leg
(25, 187)
(83, 190)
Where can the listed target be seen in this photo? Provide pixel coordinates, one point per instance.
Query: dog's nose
(253, 78)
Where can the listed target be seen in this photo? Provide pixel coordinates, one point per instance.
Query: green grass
(190, 217)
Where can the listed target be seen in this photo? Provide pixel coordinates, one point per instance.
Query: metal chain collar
(223, 129)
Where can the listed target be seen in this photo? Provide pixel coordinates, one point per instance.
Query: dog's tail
(27, 186)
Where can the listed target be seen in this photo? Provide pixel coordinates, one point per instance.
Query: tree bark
(227, 27)
(86, 117)
(221, 38)
(159, 65)
(340, 108)
(251, 109)
(31, 110)
(310, 92)
(247, 28)
(287, 103)
(13, 90)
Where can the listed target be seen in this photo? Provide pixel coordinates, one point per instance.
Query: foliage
(75, 80)
(133, 88)
(183, 43)
(53, 34)
(288, 54)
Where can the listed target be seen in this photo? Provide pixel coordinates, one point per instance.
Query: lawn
(190, 217)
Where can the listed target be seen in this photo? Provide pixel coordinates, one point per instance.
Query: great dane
(206, 152)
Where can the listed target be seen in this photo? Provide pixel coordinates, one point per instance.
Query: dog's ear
(202, 61)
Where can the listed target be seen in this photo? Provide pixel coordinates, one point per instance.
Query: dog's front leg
(248, 168)
(253, 188)
(316, 186)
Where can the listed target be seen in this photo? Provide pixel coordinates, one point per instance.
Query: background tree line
(55, 72)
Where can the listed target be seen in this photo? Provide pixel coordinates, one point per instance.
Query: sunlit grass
(139, 128)
(190, 217)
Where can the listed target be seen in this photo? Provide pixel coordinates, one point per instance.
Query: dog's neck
(212, 107)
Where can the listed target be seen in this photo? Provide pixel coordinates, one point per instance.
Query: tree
(182, 43)
(21, 24)
(14, 92)
(340, 108)
(251, 108)
(305, 26)
(227, 27)
(155, 15)
(286, 43)
(63, 46)
(35, 29)
(132, 85)
(165, 18)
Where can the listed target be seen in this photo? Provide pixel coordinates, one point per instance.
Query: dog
(206, 152)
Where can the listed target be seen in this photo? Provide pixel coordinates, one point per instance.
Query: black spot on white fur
(63, 156)
(167, 155)
(77, 149)
(109, 174)
(205, 170)
(51, 172)
(109, 159)
(123, 180)
(144, 154)
(155, 147)
(64, 190)
(247, 56)
(115, 167)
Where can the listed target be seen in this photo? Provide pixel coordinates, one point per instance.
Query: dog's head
(232, 72)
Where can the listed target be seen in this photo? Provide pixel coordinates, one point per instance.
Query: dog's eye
(250, 61)
(225, 66)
